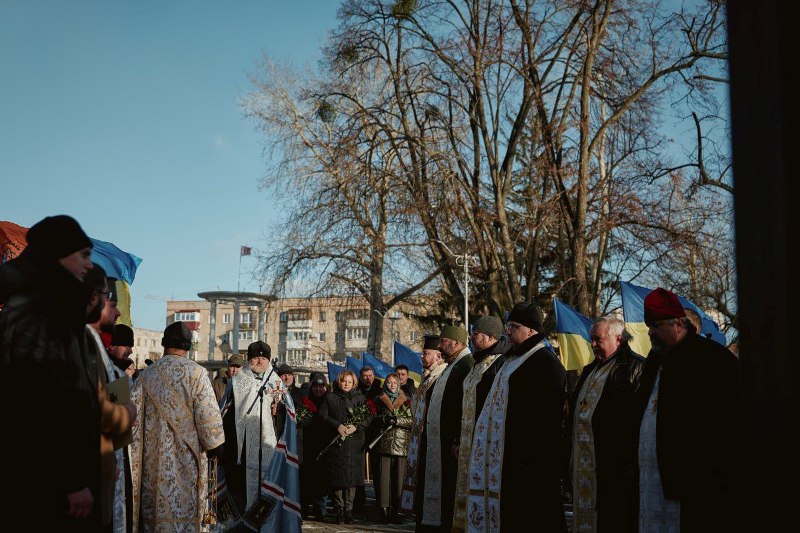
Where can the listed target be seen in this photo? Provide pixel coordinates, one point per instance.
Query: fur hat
(177, 335)
(661, 304)
(236, 359)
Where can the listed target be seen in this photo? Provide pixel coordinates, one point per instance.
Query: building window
(322, 337)
(282, 338)
(299, 335)
(187, 317)
(284, 316)
(248, 335)
(297, 355)
(338, 315)
(413, 336)
(337, 336)
(298, 314)
(322, 316)
(245, 318)
(226, 318)
(357, 333)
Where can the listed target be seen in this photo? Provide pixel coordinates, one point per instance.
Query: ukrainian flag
(572, 331)
(351, 363)
(333, 371)
(381, 369)
(403, 355)
(633, 308)
(121, 265)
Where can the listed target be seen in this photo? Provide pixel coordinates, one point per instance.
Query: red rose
(372, 407)
(408, 403)
(311, 406)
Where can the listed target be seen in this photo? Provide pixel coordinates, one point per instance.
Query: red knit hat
(660, 305)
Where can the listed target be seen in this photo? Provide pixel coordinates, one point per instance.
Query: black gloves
(389, 421)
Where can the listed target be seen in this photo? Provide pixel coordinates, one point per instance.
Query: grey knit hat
(489, 325)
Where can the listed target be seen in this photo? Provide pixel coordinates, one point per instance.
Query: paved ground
(372, 523)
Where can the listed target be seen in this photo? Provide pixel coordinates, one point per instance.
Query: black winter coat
(696, 429)
(345, 460)
(613, 422)
(44, 363)
(313, 473)
(531, 482)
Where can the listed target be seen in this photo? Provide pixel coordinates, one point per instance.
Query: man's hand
(342, 429)
(350, 429)
(80, 503)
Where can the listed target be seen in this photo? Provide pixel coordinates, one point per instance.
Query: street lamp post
(394, 316)
(466, 260)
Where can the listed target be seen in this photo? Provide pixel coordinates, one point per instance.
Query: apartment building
(301, 331)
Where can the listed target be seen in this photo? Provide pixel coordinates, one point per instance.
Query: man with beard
(487, 338)
(252, 436)
(602, 418)
(433, 365)
(121, 346)
(115, 421)
(180, 428)
(443, 431)
(689, 417)
(515, 472)
(42, 342)
(371, 389)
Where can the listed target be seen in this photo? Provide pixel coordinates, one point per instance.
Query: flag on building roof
(403, 355)
(245, 250)
(572, 331)
(333, 371)
(381, 368)
(633, 308)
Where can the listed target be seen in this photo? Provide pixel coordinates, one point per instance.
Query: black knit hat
(431, 342)
(259, 349)
(284, 369)
(58, 236)
(318, 378)
(177, 335)
(123, 335)
(489, 325)
(527, 314)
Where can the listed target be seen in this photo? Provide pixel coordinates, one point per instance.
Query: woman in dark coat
(313, 473)
(345, 412)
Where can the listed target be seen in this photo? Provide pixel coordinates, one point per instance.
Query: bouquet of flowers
(404, 411)
(359, 413)
(305, 410)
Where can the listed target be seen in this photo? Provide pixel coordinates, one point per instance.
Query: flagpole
(239, 277)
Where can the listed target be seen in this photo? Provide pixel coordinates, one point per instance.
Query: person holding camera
(394, 414)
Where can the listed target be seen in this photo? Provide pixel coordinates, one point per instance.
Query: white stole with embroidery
(584, 476)
(488, 441)
(419, 409)
(432, 502)
(245, 388)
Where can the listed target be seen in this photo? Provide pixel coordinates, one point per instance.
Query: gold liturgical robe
(178, 421)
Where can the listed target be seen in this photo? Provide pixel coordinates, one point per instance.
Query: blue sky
(125, 115)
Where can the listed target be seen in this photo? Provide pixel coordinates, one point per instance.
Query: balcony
(357, 323)
(298, 324)
(297, 345)
(355, 344)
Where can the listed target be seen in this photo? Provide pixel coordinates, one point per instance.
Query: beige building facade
(301, 331)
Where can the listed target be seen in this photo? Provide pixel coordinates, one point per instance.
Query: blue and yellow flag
(354, 364)
(381, 368)
(403, 355)
(633, 308)
(572, 331)
(333, 371)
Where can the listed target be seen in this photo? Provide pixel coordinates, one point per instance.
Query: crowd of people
(491, 439)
